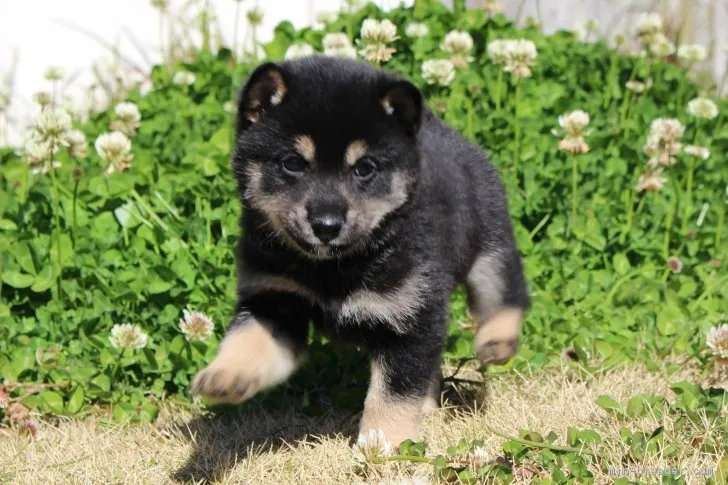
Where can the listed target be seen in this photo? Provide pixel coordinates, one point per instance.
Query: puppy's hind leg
(498, 300)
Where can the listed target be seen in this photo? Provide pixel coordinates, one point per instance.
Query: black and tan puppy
(362, 212)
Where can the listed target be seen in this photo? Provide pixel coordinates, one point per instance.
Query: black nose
(327, 227)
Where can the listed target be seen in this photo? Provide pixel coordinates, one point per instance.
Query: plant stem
(719, 230)
(499, 90)
(612, 80)
(536, 444)
(574, 180)
(517, 124)
(688, 195)
(57, 221)
(630, 212)
(668, 227)
(75, 197)
(118, 365)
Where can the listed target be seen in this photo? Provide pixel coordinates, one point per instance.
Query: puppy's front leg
(401, 386)
(263, 347)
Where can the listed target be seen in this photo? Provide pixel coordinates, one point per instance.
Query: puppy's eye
(365, 168)
(293, 165)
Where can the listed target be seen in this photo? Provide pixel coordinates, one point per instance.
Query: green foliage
(142, 245)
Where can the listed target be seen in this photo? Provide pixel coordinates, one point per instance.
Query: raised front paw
(226, 381)
(497, 339)
(250, 360)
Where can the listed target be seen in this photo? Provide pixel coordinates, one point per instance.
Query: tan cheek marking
(305, 147)
(355, 150)
(398, 418)
(250, 360)
(497, 338)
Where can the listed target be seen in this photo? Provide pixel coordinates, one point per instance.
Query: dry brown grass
(256, 447)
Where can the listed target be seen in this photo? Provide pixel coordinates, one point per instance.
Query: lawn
(616, 172)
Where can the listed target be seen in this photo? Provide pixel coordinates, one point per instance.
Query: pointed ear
(403, 100)
(265, 88)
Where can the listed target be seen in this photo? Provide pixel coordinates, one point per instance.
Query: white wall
(34, 29)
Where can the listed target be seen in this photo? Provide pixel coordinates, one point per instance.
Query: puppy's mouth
(314, 248)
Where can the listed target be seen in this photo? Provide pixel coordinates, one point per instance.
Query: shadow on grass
(224, 437)
(222, 440)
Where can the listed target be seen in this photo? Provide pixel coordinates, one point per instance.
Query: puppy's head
(326, 151)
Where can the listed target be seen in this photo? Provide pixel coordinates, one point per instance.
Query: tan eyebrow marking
(305, 147)
(355, 150)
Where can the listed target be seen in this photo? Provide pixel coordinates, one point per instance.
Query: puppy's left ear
(265, 88)
(403, 100)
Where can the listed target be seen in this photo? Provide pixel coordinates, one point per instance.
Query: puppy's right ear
(265, 88)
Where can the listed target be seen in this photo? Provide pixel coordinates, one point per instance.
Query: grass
(257, 447)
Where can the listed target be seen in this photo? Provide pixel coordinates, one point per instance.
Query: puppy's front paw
(497, 339)
(250, 360)
(225, 381)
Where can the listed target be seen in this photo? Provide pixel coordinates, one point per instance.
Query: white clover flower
(573, 144)
(127, 336)
(255, 16)
(697, 151)
(337, 44)
(377, 52)
(703, 108)
(43, 98)
(326, 18)
(53, 124)
(129, 118)
(77, 144)
(375, 35)
(519, 57)
(38, 154)
(498, 50)
(296, 51)
(667, 129)
(416, 30)
(638, 86)
(652, 181)
(184, 78)
(54, 73)
(196, 326)
(382, 31)
(370, 446)
(662, 47)
(438, 71)
(648, 26)
(457, 42)
(662, 144)
(128, 112)
(574, 122)
(114, 148)
(717, 340)
(692, 53)
(229, 107)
